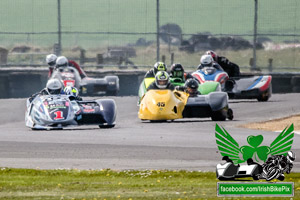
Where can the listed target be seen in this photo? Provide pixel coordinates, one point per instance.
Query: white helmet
(291, 157)
(162, 79)
(54, 86)
(61, 61)
(206, 60)
(51, 59)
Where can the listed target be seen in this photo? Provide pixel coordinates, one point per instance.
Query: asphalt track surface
(183, 144)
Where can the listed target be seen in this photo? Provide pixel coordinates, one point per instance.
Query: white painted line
(296, 132)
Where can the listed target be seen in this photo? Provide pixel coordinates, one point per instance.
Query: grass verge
(275, 124)
(107, 184)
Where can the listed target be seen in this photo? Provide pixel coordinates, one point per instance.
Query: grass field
(132, 16)
(23, 184)
(217, 17)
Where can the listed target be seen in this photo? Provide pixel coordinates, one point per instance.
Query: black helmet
(192, 87)
(177, 71)
(160, 66)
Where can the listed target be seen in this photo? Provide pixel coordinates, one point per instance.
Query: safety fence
(110, 33)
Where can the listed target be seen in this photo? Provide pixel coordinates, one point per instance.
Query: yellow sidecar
(162, 105)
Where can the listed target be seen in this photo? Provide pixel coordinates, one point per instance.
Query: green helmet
(162, 79)
(160, 66)
(177, 71)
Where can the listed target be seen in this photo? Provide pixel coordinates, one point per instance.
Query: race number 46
(58, 115)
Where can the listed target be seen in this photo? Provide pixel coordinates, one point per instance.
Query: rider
(190, 87)
(53, 87)
(61, 61)
(208, 61)
(158, 66)
(284, 163)
(74, 64)
(230, 68)
(72, 92)
(162, 81)
(51, 61)
(177, 71)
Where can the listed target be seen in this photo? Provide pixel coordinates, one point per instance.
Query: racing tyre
(295, 81)
(106, 126)
(264, 96)
(158, 121)
(230, 114)
(281, 177)
(272, 174)
(255, 177)
(296, 89)
(219, 115)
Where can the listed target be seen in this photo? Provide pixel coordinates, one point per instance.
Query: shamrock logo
(248, 151)
(229, 147)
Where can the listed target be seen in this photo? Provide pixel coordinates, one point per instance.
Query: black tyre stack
(295, 82)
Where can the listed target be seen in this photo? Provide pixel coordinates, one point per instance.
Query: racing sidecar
(251, 87)
(158, 105)
(244, 87)
(58, 111)
(109, 85)
(204, 88)
(230, 171)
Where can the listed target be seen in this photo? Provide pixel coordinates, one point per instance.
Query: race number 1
(59, 115)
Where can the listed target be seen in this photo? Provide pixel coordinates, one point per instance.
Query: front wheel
(106, 126)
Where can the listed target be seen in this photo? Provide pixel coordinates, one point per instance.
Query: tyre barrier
(24, 83)
(295, 82)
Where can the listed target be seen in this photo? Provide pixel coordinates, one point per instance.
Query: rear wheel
(230, 114)
(255, 177)
(106, 126)
(264, 96)
(219, 115)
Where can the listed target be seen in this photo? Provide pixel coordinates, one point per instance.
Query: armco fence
(137, 33)
(23, 82)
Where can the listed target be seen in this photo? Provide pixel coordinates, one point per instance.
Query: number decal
(59, 115)
(161, 104)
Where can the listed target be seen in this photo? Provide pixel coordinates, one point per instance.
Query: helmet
(159, 66)
(177, 71)
(51, 59)
(54, 86)
(206, 61)
(61, 61)
(291, 157)
(213, 55)
(192, 86)
(73, 91)
(162, 79)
